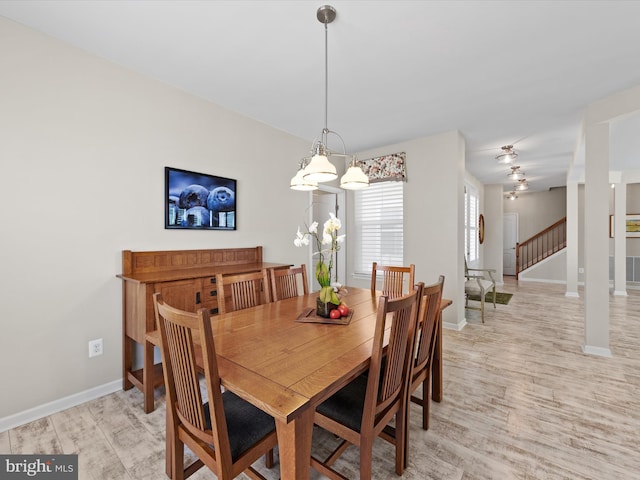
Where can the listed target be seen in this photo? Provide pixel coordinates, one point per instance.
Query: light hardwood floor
(521, 401)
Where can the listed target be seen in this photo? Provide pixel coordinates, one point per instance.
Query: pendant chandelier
(318, 168)
(512, 196)
(522, 185)
(508, 154)
(515, 174)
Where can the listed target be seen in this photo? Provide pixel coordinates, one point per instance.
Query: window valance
(385, 168)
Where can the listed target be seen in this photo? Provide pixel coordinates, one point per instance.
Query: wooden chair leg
(426, 402)
(402, 441)
(268, 459)
(177, 468)
(366, 458)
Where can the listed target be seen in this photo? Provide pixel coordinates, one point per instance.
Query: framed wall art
(632, 227)
(199, 201)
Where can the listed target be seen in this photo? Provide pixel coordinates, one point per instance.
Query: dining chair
(359, 412)
(478, 282)
(287, 282)
(242, 290)
(393, 279)
(226, 433)
(428, 318)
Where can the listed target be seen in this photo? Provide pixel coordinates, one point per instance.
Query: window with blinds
(379, 226)
(471, 207)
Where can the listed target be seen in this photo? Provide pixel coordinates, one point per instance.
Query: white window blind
(379, 226)
(471, 207)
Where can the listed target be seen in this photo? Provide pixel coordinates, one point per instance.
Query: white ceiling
(501, 72)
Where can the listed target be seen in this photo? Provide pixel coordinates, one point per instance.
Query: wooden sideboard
(187, 280)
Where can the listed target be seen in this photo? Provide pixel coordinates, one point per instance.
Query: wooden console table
(187, 280)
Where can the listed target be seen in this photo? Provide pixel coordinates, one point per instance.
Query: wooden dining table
(287, 367)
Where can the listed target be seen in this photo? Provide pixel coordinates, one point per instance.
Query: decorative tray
(309, 315)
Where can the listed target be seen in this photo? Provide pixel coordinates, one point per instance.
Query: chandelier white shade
(508, 154)
(522, 185)
(319, 168)
(354, 179)
(299, 183)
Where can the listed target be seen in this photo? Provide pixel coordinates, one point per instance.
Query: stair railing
(540, 246)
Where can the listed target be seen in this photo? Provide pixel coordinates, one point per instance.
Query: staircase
(542, 245)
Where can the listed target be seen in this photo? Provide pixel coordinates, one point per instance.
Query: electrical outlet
(581, 270)
(95, 348)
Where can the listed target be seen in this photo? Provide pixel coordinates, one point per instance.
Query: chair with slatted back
(359, 412)
(425, 340)
(428, 318)
(243, 290)
(289, 282)
(226, 433)
(393, 279)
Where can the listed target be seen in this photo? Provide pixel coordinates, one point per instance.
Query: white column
(620, 240)
(596, 240)
(572, 239)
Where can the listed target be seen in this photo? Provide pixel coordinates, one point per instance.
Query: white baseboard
(541, 280)
(572, 294)
(35, 413)
(599, 351)
(454, 326)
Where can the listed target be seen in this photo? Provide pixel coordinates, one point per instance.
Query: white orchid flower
(335, 221)
(301, 239)
(328, 242)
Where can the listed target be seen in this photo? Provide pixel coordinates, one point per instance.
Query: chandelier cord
(326, 82)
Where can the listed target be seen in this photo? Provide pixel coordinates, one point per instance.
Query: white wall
(433, 221)
(493, 251)
(633, 207)
(83, 150)
(537, 211)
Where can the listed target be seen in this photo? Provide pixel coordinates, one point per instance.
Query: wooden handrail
(542, 245)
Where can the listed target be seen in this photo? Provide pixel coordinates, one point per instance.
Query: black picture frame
(199, 201)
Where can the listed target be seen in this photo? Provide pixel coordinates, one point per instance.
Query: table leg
(436, 371)
(147, 377)
(294, 446)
